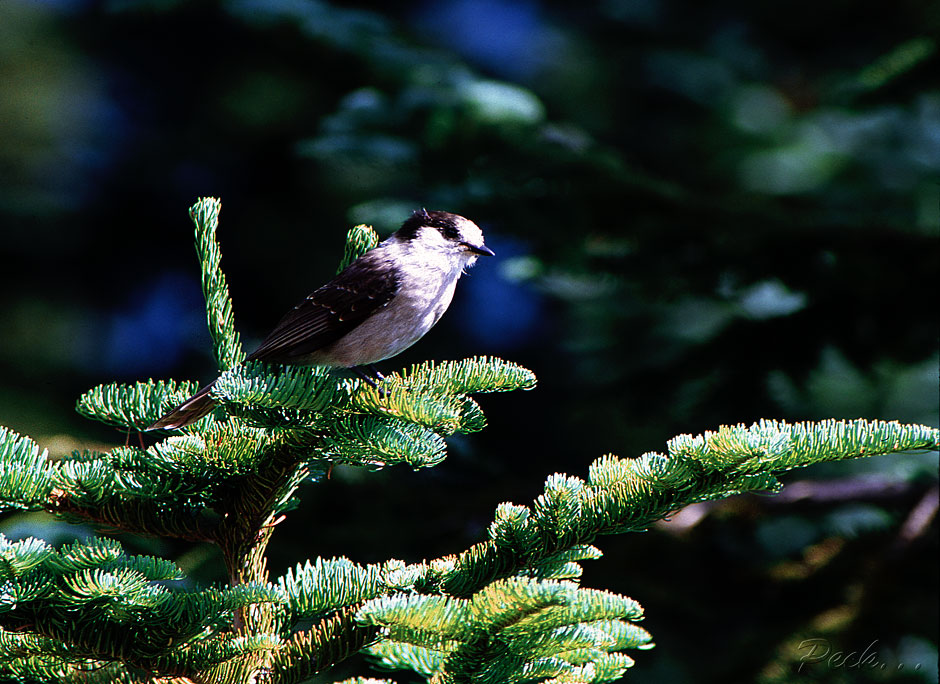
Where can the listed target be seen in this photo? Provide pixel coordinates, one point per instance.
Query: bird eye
(450, 232)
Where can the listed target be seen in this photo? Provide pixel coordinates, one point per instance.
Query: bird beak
(479, 249)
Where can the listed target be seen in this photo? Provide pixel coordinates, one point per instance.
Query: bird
(375, 308)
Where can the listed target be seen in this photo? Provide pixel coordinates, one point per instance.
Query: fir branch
(625, 634)
(333, 639)
(32, 658)
(442, 414)
(316, 589)
(208, 458)
(435, 394)
(630, 494)
(260, 385)
(150, 567)
(471, 416)
(198, 656)
(93, 490)
(425, 620)
(225, 340)
(199, 467)
(559, 604)
(81, 555)
(557, 571)
(133, 406)
(398, 655)
(505, 632)
(609, 667)
(44, 669)
(359, 240)
(106, 553)
(139, 516)
(310, 400)
(89, 601)
(25, 475)
(16, 645)
(118, 594)
(564, 565)
(476, 375)
(542, 670)
(17, 558)
(778, 446)
(376, 442)
(578, 643)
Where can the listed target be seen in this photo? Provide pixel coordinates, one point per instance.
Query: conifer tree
(508, 609)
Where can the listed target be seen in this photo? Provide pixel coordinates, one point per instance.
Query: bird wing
(362, 288)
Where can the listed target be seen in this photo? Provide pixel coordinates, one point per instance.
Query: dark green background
(704, 213)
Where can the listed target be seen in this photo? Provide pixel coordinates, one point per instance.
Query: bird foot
(371, 375)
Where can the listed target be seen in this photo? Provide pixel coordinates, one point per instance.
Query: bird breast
(425, 292)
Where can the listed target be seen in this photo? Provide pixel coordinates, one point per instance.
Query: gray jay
(375, 308)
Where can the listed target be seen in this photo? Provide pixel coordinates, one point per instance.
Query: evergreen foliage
(508, 609)
(219, 314)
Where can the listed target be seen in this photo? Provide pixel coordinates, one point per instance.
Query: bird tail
(191, 410)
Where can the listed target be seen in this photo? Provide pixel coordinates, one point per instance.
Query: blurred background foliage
(703, 213)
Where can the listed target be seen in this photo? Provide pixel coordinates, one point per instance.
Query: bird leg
(370, 374)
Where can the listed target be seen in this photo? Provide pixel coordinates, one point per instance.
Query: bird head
(456, 236)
